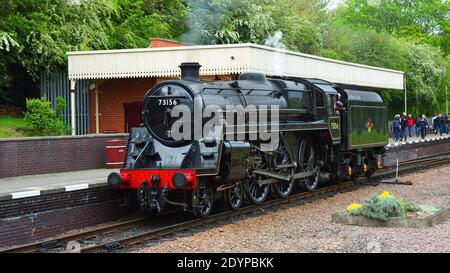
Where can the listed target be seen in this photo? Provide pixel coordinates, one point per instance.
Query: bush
(42, 119)
(382, 207)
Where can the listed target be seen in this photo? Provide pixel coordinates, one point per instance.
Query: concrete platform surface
(34, 185)
(415, 140)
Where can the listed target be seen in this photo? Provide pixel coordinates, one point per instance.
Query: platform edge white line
(77, 187)
(24, 194)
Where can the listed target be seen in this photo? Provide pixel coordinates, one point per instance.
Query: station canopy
(224, 60)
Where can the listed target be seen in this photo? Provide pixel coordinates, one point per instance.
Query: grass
(12, 127)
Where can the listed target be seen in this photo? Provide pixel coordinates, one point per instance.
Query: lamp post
(404, 88)
(446, 99)
(406, 74)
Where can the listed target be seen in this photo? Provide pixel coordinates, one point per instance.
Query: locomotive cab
(364, 132)
(364, 121)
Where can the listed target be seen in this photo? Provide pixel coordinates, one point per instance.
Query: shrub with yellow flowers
(353, 206)
(382, 206)
(384, 195)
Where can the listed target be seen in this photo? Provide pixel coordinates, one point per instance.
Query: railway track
(147, 233)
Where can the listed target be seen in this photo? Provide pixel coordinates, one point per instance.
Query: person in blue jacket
(436, 123)
(396, 127)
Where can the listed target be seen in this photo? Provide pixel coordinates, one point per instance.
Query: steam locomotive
(325, 133)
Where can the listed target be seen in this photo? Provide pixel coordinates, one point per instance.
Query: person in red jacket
(410, 123)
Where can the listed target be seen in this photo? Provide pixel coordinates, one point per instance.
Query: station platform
(43, 184)
(416, 140)
(35, 185)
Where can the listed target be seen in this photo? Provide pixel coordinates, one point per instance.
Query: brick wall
(32, 219)
(409, 152)
(38, 155)
(158, 42)
(113, 94)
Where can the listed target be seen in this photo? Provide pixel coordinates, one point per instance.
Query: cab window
(297, 99)
(320, 100)
(331, 103)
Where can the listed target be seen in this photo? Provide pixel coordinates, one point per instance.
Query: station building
(105, 88)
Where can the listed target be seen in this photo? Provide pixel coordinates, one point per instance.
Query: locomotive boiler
(324, 133)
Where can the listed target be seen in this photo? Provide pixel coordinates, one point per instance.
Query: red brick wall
(27, 156)
(157, 42)
(31, 219)
(113, 94)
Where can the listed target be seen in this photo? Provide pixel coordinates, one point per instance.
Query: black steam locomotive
(325, 133)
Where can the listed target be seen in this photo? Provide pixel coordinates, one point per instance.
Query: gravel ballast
(307, 227)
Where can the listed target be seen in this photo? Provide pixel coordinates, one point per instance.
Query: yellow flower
(384, 195)
(353, 206)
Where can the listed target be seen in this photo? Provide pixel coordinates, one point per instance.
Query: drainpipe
(72, 107)
(97, 125)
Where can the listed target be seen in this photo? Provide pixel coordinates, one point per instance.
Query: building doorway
(133, 116)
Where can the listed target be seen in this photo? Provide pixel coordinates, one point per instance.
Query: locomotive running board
(276, 177)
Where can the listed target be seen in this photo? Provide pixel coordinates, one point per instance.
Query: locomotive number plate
(167, 102)
(334, 126)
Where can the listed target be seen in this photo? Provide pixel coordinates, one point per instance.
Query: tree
(425, 75)
(47, 29)
(172, 11)
(7, 43)
(313, 11)
(242, 21)
(229, 21)
(424, 66)
(427, 19)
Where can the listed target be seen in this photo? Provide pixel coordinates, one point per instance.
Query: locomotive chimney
(190, 71)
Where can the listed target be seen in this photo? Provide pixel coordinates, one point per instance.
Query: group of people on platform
(402, 126)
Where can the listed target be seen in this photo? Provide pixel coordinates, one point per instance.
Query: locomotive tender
(326, 133)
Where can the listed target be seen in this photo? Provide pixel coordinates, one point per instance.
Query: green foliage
(382, 208)
(137, 21)
(46, 30)
(12, 126)
(172, 12)
(314, 11)
(6, 41)
(61, 104)
(363, 46)
(300, 33)
(424, 67)
(424, 20)
(42, 119)
(409, 207)
(242, 21)
(5, 84)
(229, 21)
(425, 71)
(416, 40)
